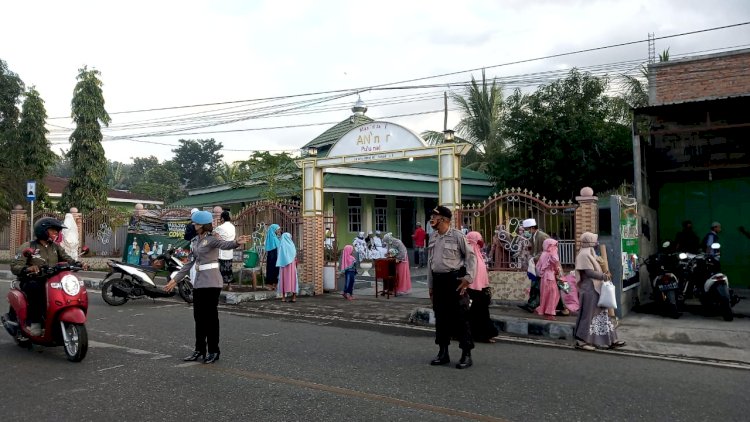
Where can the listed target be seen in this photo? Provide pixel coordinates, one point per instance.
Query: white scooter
(128, 281)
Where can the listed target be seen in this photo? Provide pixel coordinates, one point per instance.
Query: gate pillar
(19, 229)
(587, 214)
(312, 217)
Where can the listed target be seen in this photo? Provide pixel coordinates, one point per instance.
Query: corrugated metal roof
(656, 107)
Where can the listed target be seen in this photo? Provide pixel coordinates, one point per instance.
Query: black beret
(443, 212)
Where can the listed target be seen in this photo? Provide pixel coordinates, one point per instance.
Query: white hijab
(70, 241)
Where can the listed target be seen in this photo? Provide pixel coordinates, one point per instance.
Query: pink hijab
(549, 258)
(482, 279)
(347, 259)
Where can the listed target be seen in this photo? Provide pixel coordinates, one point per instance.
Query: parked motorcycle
(127, 281)
(706, 282)
(666, 280)
(65, 318)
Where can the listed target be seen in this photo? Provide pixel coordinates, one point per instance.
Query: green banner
(630, 234)
(137, 242)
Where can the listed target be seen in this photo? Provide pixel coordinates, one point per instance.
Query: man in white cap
(537, 247)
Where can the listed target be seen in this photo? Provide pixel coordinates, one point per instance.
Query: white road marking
(187, 364)
(111, 367)
(97, 344)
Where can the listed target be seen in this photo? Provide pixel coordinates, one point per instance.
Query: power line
(386, 85)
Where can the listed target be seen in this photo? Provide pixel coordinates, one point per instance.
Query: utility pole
(445, 105)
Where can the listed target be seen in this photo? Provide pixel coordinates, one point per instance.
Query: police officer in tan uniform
(204, 251)
(451, 265)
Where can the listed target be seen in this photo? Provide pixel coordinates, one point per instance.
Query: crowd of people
(457, 277)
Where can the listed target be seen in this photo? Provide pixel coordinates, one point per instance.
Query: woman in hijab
(349, 268)
(360, 246)
(482, 328)
(397, 249)
(593, 326)
(548, 268)
(286, 261)
(68, 238)
(272, 244)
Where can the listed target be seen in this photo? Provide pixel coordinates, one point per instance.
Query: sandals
(585, 347)
(617, 344)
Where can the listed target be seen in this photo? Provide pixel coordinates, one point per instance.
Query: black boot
(465, 361)
(442, 357)
(195, 356)
(211, 357)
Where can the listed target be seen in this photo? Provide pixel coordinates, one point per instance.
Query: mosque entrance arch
(370, 142)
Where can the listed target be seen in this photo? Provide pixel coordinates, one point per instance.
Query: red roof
(56, 185)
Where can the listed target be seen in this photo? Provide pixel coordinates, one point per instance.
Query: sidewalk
(692, 336)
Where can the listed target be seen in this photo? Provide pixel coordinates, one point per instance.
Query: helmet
(41, 226)
(202, 217)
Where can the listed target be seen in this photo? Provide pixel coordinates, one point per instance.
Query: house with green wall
(387, 196)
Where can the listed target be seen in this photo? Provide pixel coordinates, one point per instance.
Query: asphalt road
(276, 368)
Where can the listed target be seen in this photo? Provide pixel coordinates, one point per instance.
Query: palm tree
(482, 108)
(228, 173)
(636, 87)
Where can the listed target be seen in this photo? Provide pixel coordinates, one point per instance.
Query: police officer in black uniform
(451, 267)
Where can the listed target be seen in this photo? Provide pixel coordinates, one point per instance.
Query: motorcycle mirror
(665, 244)
(683, 255)
(715, 246)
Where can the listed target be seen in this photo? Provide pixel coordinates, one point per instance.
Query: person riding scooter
(39, 252)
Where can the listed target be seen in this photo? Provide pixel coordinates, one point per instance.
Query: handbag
(607, 296)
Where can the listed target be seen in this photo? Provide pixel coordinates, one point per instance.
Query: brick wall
(314, 234)
(706, 77)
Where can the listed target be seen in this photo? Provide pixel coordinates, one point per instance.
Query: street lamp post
(449, 135)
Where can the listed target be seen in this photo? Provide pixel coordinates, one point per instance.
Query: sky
(231, 54)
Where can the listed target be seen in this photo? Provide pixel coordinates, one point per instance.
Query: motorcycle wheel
(725, 307)
(107, 294)
(186, 290)
(671, 304)
(78, 343)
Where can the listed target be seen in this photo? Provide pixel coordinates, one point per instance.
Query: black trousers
(36, 299)
(206, 315)
(451, 311)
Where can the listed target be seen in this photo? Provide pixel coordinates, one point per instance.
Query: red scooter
(65, 318)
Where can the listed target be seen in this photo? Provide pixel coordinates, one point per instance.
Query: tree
(636, 87)
(62, 167)
(564, 136)
(160, 182)
(482, 112)
(87, 189)
(32, 155)
(198, 161)
(11, 88)
(277, 173)
(228, 173)
(117, 175)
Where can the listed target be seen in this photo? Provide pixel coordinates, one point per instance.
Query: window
(398, 222)
(381, 219)
(355, 213)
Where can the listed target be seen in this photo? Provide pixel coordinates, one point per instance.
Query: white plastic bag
(607, 296)
(532, 267)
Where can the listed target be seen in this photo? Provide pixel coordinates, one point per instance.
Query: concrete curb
(554, 330)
